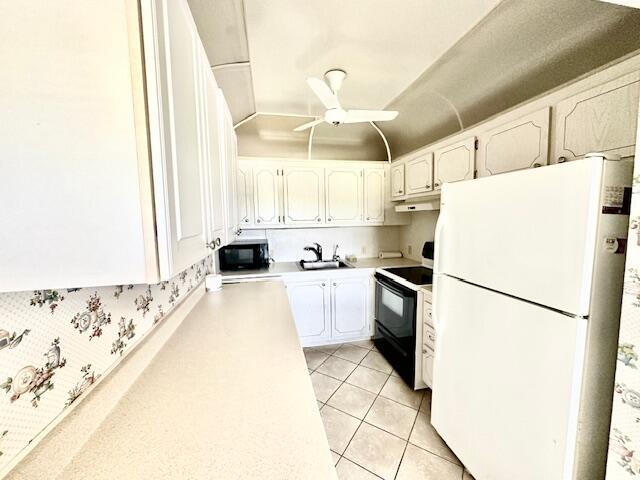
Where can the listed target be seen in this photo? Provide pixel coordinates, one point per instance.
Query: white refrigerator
(527, 289)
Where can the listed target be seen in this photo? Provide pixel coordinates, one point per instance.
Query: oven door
(395, 328)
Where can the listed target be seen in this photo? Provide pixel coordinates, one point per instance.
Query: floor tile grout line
(389, 375)
(406, 444)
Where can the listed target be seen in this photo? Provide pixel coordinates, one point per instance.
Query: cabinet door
(303, 195)
(344, 195)
(230, 173)
(213, 156)
(245, 195)
(309, 301)
(373, 195)
(349, 307)
(523, 143)
(74, 179)
(602, 119)
(266, 195)
(454, 162)
(427, 365)
(182, 218)
(397, 180)
(419, 174)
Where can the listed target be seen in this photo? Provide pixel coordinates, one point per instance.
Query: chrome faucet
(317, 250)
(336, 257)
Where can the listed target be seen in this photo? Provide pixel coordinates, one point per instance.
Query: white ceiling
(384, 45)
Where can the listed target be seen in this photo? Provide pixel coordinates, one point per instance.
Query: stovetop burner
(415, 275)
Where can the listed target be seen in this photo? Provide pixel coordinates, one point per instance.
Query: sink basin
(323, 265)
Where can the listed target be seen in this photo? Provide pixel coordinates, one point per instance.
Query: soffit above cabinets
(273, 136)
(519, 51)
(383, 46)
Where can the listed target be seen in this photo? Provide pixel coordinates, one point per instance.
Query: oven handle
(395, 288)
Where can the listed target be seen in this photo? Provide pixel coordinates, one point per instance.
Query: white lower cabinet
(350, 307)
(331, 308)
(309, 302)
(428, 344)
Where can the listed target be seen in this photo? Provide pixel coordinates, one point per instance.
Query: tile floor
(376, 425)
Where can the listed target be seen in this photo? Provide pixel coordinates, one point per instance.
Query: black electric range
(416, 275)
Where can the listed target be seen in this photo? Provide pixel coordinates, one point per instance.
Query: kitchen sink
(322, 265)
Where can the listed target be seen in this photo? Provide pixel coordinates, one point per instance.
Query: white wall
(420, 230)
(286, 245)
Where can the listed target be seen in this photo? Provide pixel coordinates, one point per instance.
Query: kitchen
(340, 245)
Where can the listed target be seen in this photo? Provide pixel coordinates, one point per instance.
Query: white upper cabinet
(419, 174)
(181, 226)
(230, 156)
(75, 192)
(303, 195)
(245, 195)
(350, 306)
(266, 195)
(454, 163)
(397, 180)
(344, 195)
(601, 119)
(214, 162)
(523, 143)
(374, 201)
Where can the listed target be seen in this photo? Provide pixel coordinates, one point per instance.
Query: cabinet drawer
(427, 315)
(429, 336)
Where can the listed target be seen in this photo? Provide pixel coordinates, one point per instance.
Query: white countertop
(228, 397)
(278, 269)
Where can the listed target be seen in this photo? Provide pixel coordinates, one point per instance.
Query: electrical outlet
(409, 249)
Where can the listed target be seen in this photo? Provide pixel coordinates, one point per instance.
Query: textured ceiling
(382, 45)
(522, 49)
(440, 64)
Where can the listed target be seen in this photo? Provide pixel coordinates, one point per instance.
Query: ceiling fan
(327, 92)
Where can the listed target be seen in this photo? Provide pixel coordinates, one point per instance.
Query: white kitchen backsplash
(420, 230)
(54, 344)
(286, 245)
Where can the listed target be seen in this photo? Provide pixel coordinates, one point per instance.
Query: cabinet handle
(319, 219)
(211, 245)
(258, 221)
(329, 219)
(323, 284)
(246, 220)
(428, 186)
(218, 241)
(411, 208)
(562, 159)
(368, 218)
(437, 184)
(334, 284)
(536, 165)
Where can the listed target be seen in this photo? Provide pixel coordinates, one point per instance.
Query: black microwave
(244, 255)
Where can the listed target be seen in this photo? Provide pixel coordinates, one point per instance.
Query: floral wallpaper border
(54, 344)
(624, 438)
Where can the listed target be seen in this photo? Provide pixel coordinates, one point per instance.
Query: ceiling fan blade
(308, 125)
(357, 116)
(324, 93)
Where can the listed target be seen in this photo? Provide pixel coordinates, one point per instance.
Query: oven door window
(395, 311)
